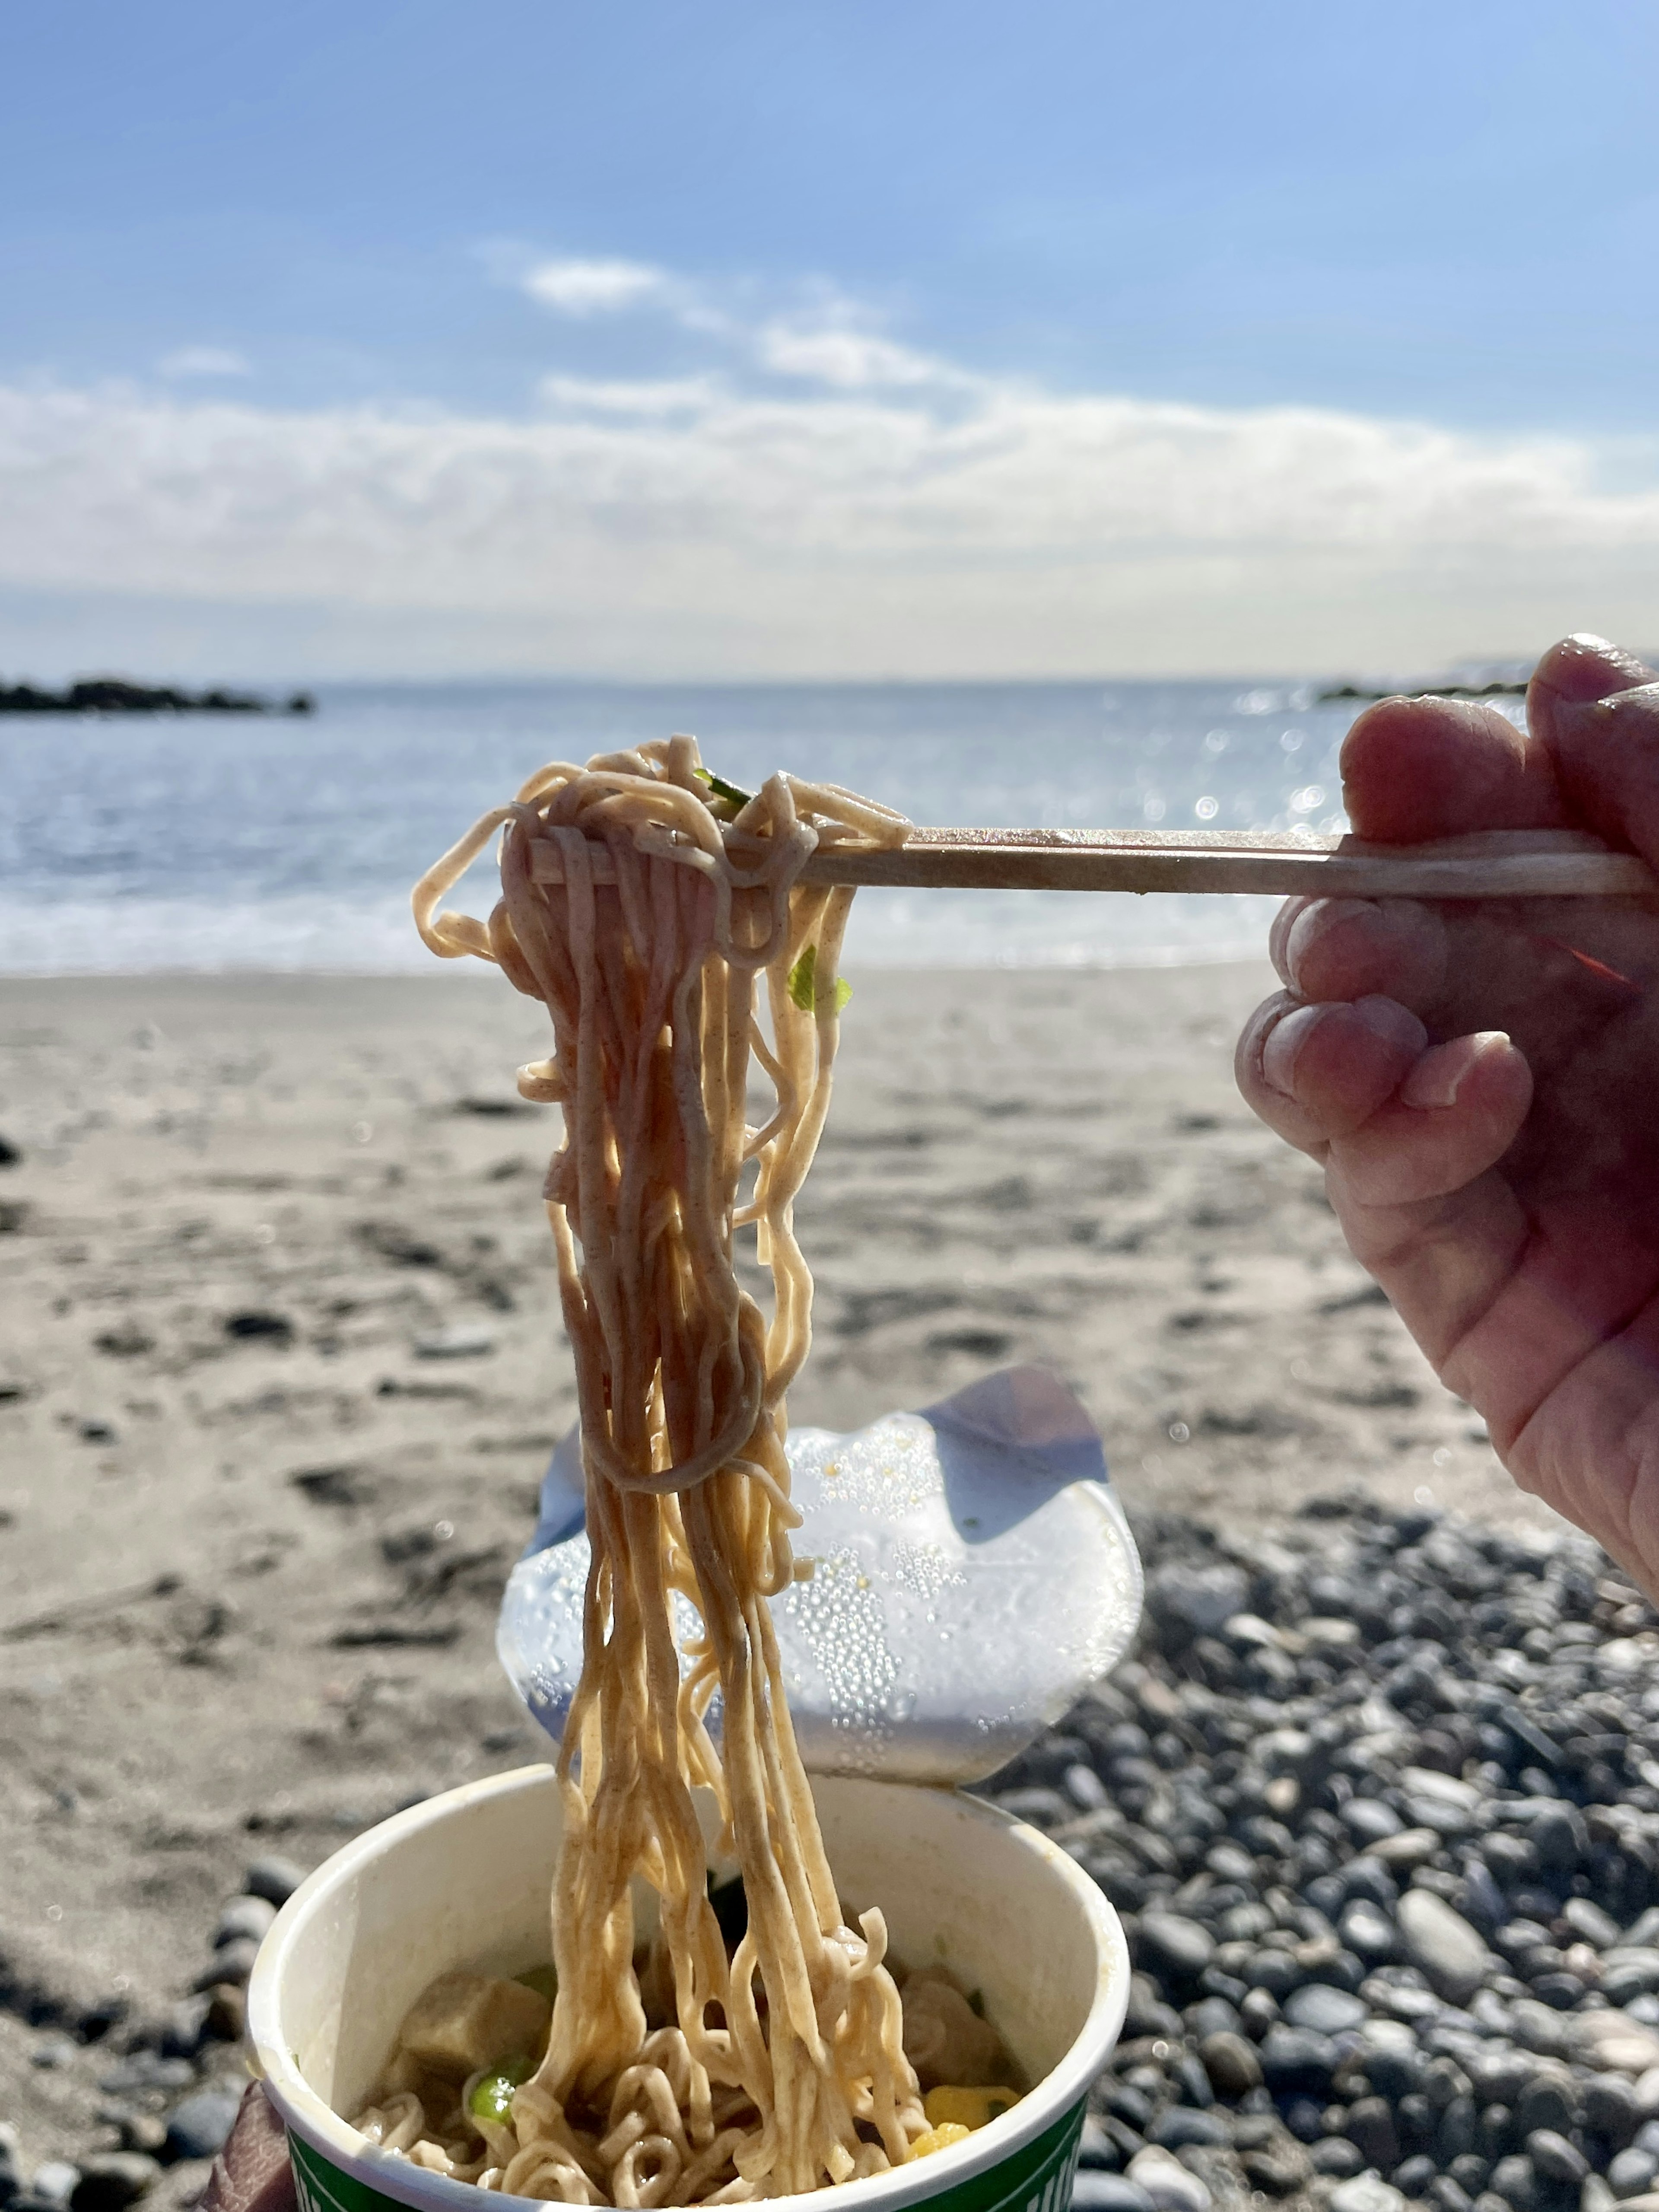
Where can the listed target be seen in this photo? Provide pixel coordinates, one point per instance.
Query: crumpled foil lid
(972, 1574)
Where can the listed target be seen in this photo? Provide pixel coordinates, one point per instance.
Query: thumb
(1596, 708)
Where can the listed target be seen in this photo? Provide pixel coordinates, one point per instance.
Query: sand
(248, 1581)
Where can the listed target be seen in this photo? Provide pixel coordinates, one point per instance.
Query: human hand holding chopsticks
(1481, 1081)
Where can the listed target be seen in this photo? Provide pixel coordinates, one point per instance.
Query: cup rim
(987, 2148)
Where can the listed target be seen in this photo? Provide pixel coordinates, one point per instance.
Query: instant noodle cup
(465, 1878)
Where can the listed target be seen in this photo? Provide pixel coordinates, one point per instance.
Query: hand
(1481, 1081)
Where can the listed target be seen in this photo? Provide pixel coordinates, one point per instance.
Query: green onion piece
(493, 2098)
(804, 987)
(545, 1980)
(722, 788)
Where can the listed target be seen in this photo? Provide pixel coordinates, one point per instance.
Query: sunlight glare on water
(208, 844)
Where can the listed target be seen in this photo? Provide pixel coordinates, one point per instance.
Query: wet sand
(280, 1367)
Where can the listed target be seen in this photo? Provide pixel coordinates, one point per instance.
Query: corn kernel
(939, 2138)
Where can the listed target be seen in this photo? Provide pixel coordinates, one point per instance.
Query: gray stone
(1231, 2063)
(1611, 2041)
(1368, 1932)
(1095, 2148)
(1181, 2125)
(11, 2163)
(1326, 2011)
(1171, 1944)
(248, 1916)
(1371, 2130)
(1560, 1837)
(1084, 1787)
(113, 2180)
(1366, 2192)
(1630, 2171)
(1588, 1921)
(1610, 2106)
(1515, 2183)
(1337, 2158)
(1200, 1600)
(1296, 2061)
(1368, 1820)
(231, 1962)
(1093, 2191)
(273, 1878)
(1555, 2159)
(54, 2183)
(1280, 2168)
(1551, 2101)
(1168, 2182)
(198, 2126)
(1441, 1944)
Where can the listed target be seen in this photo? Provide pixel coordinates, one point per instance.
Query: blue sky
(1395, 263)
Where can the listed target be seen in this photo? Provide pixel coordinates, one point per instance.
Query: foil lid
(972, 1574)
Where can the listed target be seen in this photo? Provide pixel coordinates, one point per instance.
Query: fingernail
(1434, 1082)
(1283, 1047)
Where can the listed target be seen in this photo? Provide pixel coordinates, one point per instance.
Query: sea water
(215, 843)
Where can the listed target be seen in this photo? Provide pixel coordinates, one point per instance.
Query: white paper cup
(463, 1879)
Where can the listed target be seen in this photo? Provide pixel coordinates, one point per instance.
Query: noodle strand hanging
(642, 902)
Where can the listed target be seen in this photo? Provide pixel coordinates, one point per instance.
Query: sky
(901, 339)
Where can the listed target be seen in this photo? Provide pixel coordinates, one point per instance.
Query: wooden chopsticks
(1499, 864)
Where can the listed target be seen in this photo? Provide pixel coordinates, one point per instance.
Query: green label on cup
(1037, 2177)
(321, 2187)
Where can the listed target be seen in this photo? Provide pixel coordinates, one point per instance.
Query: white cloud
(621, 396)
(204, 360)
(850, 359)
(888, 515)
(595, 287)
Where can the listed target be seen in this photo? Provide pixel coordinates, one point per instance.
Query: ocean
(206, 842)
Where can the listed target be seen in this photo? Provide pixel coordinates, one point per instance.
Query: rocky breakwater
(1378, 1801)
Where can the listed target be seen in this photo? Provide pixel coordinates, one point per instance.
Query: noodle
(785, 2068)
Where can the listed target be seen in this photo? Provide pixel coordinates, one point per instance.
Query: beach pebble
(463, 1341)
(1630, 2171)
(1170, 1944)
(113, 2179)
(1441, 1943)
(1366, 2192)
(1555, 2159)
(1092, 2192)
(231, 1962)
(244, 1917)
(198, 2126)
(272, 1879)
(11, 2165)
(54, 2183)
(1199, 1600)
(1279, 2168)
(1231, 2063)
(1327, 2011)
(1182, 2125)
(1168, 2184)
(1295, 2060)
